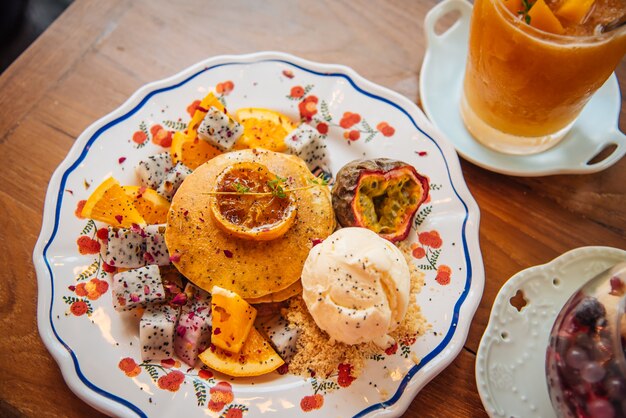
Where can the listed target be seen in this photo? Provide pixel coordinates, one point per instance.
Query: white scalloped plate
(510, 365)
(441, 80)
(89, 347)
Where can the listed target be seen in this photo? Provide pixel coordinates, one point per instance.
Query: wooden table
(99, 52)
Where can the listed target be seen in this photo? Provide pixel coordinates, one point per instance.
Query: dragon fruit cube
(151, 171)
(172, 180)
(125, 247)
(282, 336)
(137, 288)
(156, 250)
(193, 331)
(305, 142)
(219, 130)
(156, 332)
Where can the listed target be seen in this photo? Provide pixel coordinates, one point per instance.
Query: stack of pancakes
(259, 271)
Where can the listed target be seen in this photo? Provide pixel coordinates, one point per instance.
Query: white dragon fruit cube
(193, 331)
(137, 288)
(124, 247)
(282, 336)
(152, 171)
(306, 142)
(172, 180)
(156, 332)
(156, 250)
(219, 130)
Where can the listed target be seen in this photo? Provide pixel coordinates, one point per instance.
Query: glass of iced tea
(533, 65)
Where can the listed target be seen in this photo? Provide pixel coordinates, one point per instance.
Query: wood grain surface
(99, 52)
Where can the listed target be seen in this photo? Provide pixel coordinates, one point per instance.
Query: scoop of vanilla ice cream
(356, 285)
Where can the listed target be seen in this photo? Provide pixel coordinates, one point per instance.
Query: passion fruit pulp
(246, 203)
(382, 195)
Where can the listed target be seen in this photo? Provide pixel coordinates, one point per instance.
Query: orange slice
(250, 202)
(542, 18)
(256, 357)
(515, 6)
(152, 206)
(574, 10)
(263, 128)
(232, 317)
(186, 147)
(209, 101)
(109, 203)
(191, 152)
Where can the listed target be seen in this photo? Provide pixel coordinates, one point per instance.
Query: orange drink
(533, 65)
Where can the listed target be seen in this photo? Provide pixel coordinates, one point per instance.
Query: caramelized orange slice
(109, 203)
(152, 206)
(256, 357)
(252, 203)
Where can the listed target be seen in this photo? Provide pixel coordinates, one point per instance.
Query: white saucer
(440, 91)
(510, 364)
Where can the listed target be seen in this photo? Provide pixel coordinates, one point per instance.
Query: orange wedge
(152, 206)
(209, 101)
(256, 357)
(109, 203)
(246, 206)
(263, 128)
(191, 152)
(186, 148)
(233, 319)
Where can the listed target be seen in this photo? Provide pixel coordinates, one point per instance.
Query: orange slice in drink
(252, 203)
(542, 17)
(574, 10)
(109, 203)
(263, 128)
(515, 6)
(152, 206)
(256, 357)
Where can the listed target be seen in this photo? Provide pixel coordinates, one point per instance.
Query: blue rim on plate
(474, 280)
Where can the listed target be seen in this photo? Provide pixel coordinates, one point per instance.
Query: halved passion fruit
(382, 195)
(250, 202)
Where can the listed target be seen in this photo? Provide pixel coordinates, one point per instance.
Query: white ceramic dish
(441, 81)
(89, 347)
(510, 365)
